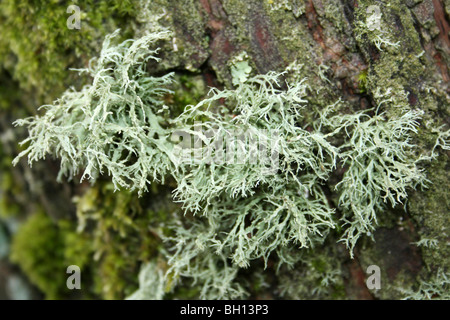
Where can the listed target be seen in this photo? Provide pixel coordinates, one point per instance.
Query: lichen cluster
(236, 210)
(273, 185)
(110, 123)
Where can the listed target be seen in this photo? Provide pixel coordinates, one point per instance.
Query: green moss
(123, 229)
(188, 89)
(319, 265)
(397, 79)
(429, 209)
(8, 207)
(38, 47)
(44, 249)
(396, 71)
(317, 275)
(240, 68)
(185, 293)
(297, 7)
(116, 235)
(362, 82)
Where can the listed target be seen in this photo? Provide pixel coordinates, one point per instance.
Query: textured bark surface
(322, 36)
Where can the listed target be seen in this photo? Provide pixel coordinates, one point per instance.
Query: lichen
(242, 215)
(317, 275)
(240, 68)
(38, 60)
(251, 209)
(436, 288)
(296, 6)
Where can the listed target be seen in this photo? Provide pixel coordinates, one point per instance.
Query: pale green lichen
(316, 275)
(296, 6)
(374, 28)
(379, 167)
(112, 125)
(240, 68)
(428, 243)
(442, 140)
(250, 208)
(124, 233)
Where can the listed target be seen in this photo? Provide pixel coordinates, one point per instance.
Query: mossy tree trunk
(340, 53)
(344, 61)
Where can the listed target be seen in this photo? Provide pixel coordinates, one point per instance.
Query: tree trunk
(336, 44)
